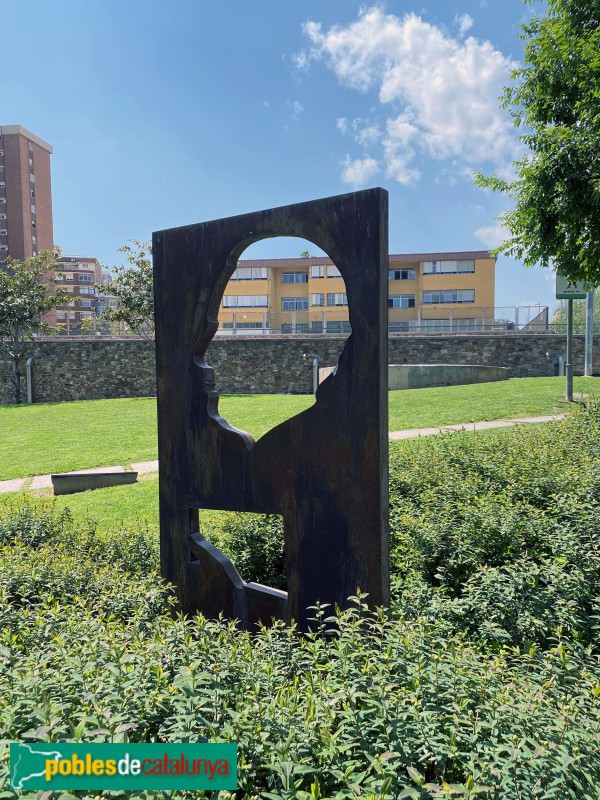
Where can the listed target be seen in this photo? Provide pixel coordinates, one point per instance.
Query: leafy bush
(502, 541)
(481, 681)
(255, 544)
(375, 707)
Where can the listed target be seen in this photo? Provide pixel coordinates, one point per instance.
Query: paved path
(414, 433)
(39, 482)
(45, 481)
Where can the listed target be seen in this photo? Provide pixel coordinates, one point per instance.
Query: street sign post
(569, 291)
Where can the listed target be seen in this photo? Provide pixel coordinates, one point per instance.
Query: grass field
(129, 507)
(58, 437)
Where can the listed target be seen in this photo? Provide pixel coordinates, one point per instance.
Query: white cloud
(446, 90)
(357, 172)
(464, 22)
(492, 235)
(528, 303)
(364, 131)
(301, 60)
(296, 109)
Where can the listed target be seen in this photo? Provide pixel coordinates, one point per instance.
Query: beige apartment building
(80, 276)
(428, 292)
(25, 194)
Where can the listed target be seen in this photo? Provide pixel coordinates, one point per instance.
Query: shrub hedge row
(482, 679)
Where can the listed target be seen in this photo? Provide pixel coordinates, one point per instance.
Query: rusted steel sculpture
(325, 470)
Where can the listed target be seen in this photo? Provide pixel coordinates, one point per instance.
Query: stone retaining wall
(85, 369)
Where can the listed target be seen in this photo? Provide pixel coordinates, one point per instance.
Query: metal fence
(425, 320)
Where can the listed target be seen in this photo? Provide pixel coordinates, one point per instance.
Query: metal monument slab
(325, 470)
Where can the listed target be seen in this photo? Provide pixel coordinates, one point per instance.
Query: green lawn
(449, 405)
(126, 507)
(58, 437)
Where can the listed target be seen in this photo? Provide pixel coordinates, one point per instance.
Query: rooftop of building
(19, 129)
(397, 258)
(71, 259)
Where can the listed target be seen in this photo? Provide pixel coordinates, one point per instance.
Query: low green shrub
(482, 680)
(372, 707)
(505, 538)
(255, 544)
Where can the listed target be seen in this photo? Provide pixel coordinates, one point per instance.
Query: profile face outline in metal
(325, 470)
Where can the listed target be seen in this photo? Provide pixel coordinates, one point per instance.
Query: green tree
(556, 192)
(87, 326)
(27, 290)
(559, 317)
(133, 286)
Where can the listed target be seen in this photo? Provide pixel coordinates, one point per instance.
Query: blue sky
(167, 114)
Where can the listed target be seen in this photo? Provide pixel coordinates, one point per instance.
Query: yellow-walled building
(428, 292)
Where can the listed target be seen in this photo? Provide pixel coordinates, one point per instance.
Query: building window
(337, 299)
(2, 199)
(317, 299)
(86, 278)
(249, 274)
(455, 296)
(294, 303)
(32, 209)
(246, 301)
(401, 274)
(32, 177)
(113, 303)
(68, 276)
(398, 327)
(3, 232)
(317, 272)
(1, 167)
(435, 325)
(3, 247)
(333, 272)
(2, 216)
(2, 184)
(447, 267)
(464, 324)
(401, 301)
(86, 290)
(294, 277)
(85, 303)
(339, 326)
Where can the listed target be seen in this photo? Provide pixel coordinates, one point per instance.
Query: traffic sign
(569, 291)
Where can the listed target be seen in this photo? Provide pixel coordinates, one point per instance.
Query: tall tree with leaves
(27, 290)
(555, 100)
(133, 286)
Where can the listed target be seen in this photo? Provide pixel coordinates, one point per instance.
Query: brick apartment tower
(25, 194)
